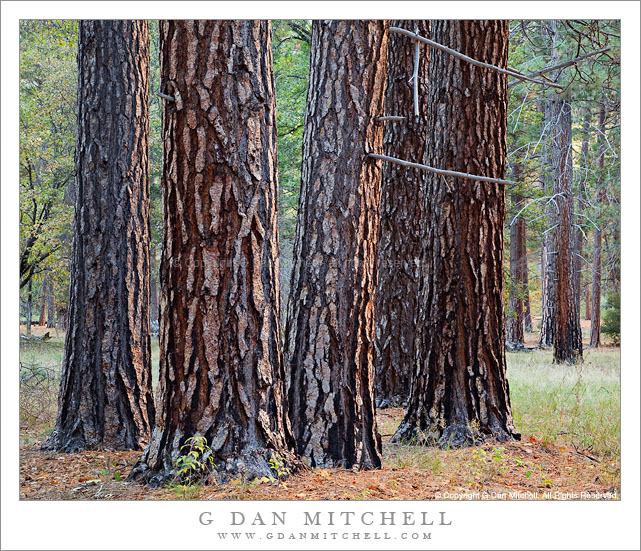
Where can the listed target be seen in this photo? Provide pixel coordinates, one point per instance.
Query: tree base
(454, 435)
(246, 465)
(63, 443)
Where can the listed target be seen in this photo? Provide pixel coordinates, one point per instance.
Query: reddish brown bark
(460, 391)
(221, 371)
(567, 330)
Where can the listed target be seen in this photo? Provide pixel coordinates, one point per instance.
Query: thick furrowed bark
(221, 371)
(105, 395)
(401, 218)
(459, 391)
(330, 322)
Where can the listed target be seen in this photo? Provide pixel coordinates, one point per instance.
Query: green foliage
(47, 129)
(291, 72)
(612, 317)
(196, 462)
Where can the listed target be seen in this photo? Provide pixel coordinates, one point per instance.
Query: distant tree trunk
(515, 313)
(105, 395)
(153, 302)
(330, 321)
(595, 320)
(548, 254)
(61, 318)
(51, 307)
(29, 307)
(460, 384)
(580, 201)
(42, 321)
(527, 318)
(588, 312)
(567, 330)
(221, 371)
(401, 218)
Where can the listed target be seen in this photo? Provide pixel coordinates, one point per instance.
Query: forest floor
(568, 417)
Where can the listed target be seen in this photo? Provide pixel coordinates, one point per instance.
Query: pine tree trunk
(595, 319)
(459, 392)
(588, 302)
(567, 330)
(401, 218)
(221, 371)
(105, 395)
(515, 314)
(42, 320)
(580, 201)
(548, 253)
(527, 318)
(51, 306)
(29, 307)
(330, 321)
(154, 311)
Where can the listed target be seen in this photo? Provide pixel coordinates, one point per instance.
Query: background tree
(105, 392)
(329, 338)
(460, 379)
(48, 78)
(221, 372)
(567, 331)
(401, 217)
(291, 43)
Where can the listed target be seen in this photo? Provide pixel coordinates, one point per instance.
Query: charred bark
(330, 321)
(459, 393)
(567, 330)
(401, 218)
(221, 371)
(105, 395)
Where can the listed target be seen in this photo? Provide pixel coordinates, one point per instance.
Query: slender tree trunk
(588, 301)
(42, 320)
(221, 371)
(595, 319)
(153, 302)
(459, 391)
(548, 253)
(105, 395)
(527, 318)
(29, 307)
(515, 313)
(51, 306)
(567, 330)
(580, 201)
(330, 321)
(401, 218)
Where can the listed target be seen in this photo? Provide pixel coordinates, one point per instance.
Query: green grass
(43, 353)
(562, 404)
(577, 404)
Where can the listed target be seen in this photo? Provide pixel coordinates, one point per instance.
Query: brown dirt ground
(521, 470)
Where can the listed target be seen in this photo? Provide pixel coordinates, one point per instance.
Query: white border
(158, 525)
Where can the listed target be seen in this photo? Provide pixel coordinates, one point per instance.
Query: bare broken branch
(468, 59)
(441, 171)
